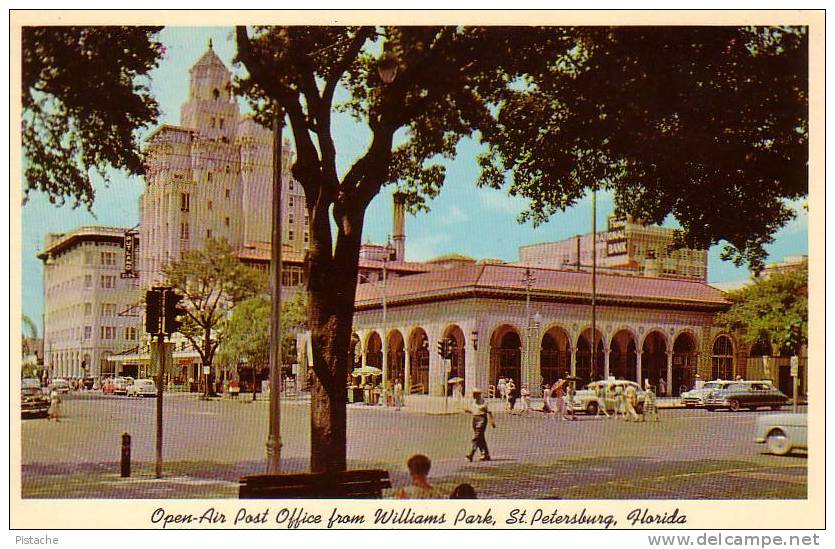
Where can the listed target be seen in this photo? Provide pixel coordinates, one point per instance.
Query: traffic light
(173, 313)
(153, 306)
(795, 338)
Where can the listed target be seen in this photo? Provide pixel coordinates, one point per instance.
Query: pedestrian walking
(512, 394)
(526, 402)
(620, 406)
(662, 386)
(398, 395)
(630, 401)
(558, 396)
(54, 411)
(481, 416)
(546, 400)
(650, 405)
(570, 393)
(501, 388)
(600, 395)
(419, 467)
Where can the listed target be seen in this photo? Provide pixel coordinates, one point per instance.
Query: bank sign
(616, 237)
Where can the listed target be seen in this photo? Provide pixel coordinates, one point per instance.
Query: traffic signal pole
(160, 375)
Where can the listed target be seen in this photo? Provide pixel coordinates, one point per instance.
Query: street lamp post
(528, 280)
(274, 435)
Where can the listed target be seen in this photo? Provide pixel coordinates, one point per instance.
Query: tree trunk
(331, 291)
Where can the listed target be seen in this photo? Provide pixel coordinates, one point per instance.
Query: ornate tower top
(210, 79)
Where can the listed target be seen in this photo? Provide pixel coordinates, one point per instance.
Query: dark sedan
(33, 402)
(746, 394)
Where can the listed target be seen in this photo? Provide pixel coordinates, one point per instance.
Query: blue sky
(464, 219)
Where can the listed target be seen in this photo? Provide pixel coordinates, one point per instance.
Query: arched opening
(554, 358)
(585, 370)
(419, 361)
(459, 349)
(396, 357)
(722, 358)
(685, 360)
(374, 351)
(216, 94)
(623, 357)
(505, 354)
(654, 358)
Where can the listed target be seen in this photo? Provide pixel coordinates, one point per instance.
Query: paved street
(689, 454)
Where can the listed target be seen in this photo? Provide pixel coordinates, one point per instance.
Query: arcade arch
(554, 355)
(722, 358)
(685, 362)
(505, 354)
(623, 358)
(396, 360)
(654, 358)
(419, 361)
(584, 369)
(459, 350)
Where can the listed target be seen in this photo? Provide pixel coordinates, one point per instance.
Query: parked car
(61, 385)
(781, 433)
(585, 400)
(121, 384)
(33, 402)
(142, 388)
(696, 397)
(30, 382)
(746, 394)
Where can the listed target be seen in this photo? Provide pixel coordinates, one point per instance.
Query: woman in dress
(54, 411)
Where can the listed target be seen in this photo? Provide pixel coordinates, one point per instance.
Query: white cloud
(500, 201)
(453, 216)
(428, 246)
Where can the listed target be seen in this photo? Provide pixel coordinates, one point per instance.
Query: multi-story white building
(87, 304)
(212, 177)
(626, 247)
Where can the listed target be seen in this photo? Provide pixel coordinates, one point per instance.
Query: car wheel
(639, 409)
(778, 442)
(591, 409)
(710, 408)
(733, 405)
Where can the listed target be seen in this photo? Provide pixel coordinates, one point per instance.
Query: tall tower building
(211, 177)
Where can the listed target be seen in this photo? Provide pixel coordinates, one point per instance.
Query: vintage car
(61, 385)
(142, 388)
(696, 397)
(585, 400)
(33, 402)
(746, 394)
(121, 384)
(781, 433)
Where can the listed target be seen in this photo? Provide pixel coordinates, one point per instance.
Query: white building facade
(89, 309)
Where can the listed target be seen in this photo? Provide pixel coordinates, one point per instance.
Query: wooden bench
(358, 484)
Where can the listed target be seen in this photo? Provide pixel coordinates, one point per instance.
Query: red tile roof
(508, 280)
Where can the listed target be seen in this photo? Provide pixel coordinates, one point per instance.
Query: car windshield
(30, 391)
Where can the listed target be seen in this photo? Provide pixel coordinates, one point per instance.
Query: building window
(88, 258)
(221, 123)
(108, 258)
(723, 358)
(130, 333)
(88, 309)
(306, 220)
(306, 236)
(228, 194)
(185, 202)
(108, 309)
(210, 205)
(107, 281)
(213, 122)
(290, 219)
(290, 234)
(209, 177)
(290, 186)
(290, 202)
(183, 231)
(208, 233)
(88, 332)
(108, 332)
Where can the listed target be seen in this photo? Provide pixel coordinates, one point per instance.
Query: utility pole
(274, 436)
(594, 283)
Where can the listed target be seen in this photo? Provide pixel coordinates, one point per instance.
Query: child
(419, 466)
(650, 405)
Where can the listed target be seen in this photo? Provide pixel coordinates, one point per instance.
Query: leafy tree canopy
(85, 98)
(212, 280)
(766, 310)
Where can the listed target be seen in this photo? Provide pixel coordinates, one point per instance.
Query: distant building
(88, 307)
(212, 177)
(626, 247)
(789, 263)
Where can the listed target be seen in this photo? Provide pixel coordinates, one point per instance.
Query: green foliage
(247, 333)
(85, 98)
(212, 280)
(766, 310)
(708, 124)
